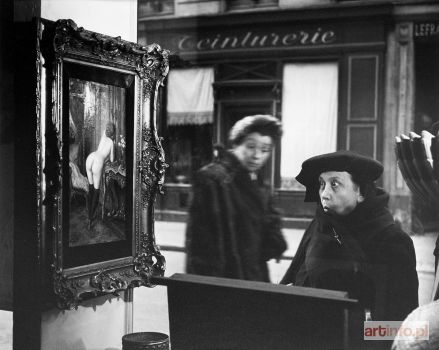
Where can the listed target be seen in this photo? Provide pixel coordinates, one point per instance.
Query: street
(150, 305)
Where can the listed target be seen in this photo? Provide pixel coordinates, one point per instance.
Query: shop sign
(426, 29)
(254, 40)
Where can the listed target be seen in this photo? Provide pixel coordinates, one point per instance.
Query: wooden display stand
(219, 313)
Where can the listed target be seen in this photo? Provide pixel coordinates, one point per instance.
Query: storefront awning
(190, 96)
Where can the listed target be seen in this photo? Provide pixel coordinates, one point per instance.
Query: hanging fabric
(309, 116)
(190, 96)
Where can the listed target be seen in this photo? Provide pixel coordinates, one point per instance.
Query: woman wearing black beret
(233, 229)
(353, 244)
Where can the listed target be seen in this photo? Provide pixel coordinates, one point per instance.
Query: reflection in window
(426, 117)
(190, 148)
(245, 4)
(189, 120)
(309, 116)
(155, 7)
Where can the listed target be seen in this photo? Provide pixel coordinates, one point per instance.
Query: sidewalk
(173, 234)
(148, 302)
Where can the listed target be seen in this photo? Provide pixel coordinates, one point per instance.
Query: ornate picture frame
(100, 161)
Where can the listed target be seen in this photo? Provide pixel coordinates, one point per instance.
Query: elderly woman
(233, 230)
(353, 244)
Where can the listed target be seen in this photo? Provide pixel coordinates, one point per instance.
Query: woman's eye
(334, 183)
(321, 185)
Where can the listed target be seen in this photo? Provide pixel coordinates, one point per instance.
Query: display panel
(103, 162)
(99, 176)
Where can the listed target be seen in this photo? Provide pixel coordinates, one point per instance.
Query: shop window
(309, 116)
(190, 148)
(189, 120)
(427, 85)
(155, 7)
(426, 115)
(246, 4)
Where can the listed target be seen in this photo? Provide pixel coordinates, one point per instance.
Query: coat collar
(367, 220)
(233, 165)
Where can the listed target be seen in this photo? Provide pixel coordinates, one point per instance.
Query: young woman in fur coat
(233, 229)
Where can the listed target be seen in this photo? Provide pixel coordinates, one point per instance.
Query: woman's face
(254, 151)
(338, 193)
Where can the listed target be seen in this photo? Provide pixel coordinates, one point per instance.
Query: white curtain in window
(190, 96)
(309, 116)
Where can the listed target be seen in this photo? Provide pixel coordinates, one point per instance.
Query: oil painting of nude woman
(97, 169)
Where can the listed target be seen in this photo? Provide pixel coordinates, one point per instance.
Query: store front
(320, 72)
(426, 106)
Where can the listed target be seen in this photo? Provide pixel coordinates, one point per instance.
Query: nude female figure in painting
(95, 166)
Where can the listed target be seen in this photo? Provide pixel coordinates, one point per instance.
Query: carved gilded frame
(60, 45)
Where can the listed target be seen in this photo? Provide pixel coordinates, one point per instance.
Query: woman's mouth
(253, 165)
(326, 207)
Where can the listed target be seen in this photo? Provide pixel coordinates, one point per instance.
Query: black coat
(232, 228)
(365, 254)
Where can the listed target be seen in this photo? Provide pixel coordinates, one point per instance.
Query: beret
(364, 169)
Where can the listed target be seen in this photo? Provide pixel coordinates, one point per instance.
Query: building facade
(339, 74)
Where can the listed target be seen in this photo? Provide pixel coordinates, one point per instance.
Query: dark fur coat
(232, 228)
(365, 254)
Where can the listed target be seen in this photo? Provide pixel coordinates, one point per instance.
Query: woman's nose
(325, 193)
(257, 154)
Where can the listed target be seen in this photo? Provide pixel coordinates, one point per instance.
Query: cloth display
(308, 126)
(190, 96)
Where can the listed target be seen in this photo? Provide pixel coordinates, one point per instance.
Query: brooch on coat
(336, 236)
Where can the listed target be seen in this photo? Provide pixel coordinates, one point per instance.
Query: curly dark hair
(263, 124)
(110, 130)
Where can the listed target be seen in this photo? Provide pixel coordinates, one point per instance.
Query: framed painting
(102, 161)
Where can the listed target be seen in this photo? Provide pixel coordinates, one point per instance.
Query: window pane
(362, 139)
(309, 116)
(189, 120)
(190, 148)
(363, 88)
